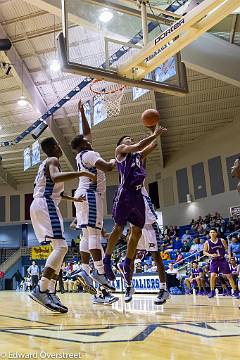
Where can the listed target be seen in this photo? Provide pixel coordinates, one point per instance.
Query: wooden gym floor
(187, 327)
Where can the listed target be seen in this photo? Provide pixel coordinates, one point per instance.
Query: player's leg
(83, 276)
(188, 284)
(225, 269)
(95, 247)
(125, 266)
(112, 241)
(198, 282)
(233, 285)
(47, 223)
(213, 279)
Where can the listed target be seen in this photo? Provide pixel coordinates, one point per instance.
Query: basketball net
(110, 94)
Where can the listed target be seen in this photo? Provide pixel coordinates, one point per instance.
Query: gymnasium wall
(201, 169)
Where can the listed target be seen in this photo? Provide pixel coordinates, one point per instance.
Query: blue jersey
(132, 172)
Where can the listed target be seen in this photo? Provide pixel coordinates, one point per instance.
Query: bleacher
(5, 253)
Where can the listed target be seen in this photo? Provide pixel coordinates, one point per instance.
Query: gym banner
(41, 252)
(143, 283)
(235, 210)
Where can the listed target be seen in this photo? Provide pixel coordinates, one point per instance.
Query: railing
(24, 251)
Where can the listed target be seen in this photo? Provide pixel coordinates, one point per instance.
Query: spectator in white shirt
(33, 271)
(172, 271)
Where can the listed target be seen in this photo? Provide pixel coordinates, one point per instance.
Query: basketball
(150, 117)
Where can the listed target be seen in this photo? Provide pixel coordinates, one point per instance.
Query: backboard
(99, 36)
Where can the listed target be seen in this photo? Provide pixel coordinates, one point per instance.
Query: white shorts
(90, 212)
(150, 238)
(46, 219)
(150, 214)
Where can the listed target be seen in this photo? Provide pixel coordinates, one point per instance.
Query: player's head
(51, 148)
(233, 261)
(79, 143)
(126, 140)
(213, 233)
(194, 264)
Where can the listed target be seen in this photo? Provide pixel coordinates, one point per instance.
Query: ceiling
(32, 31)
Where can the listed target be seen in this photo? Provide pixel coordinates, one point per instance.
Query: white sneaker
(86, 282)
(102, 280)
(98, 299)
(128, 294)
(110, 299)
(162, 297)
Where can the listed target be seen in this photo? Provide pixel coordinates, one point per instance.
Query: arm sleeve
(90, 158)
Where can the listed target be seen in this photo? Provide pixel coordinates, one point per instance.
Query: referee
(33, 271)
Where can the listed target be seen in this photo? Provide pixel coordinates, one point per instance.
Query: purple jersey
(196, 272)
(234, 269)
(216, 248)
(132, 172)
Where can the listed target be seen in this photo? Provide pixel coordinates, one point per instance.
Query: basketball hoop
(110, 93)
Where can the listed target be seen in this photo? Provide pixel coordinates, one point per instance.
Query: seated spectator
(173, 271)
(177, 244)
(165, 255)
(234, 247)
(196, 246)
(172, 277)
(138, 267)
(154, 267)
(186, 246)
(186, 236)
(235, 269)
(146, 268)
(179, 258)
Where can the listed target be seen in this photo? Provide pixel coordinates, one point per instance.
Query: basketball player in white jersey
(89, 212)
(149, 241)
(47, 221)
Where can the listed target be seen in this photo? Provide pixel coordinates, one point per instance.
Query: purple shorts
(129, 206)
(220, 266)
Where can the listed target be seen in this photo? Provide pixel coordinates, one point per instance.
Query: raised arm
(85, 125)
(125, 149)
(105, 165)
(58, 176)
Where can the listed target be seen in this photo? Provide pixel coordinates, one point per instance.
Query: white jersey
(44, 187)
(150, 214)
(86, 160)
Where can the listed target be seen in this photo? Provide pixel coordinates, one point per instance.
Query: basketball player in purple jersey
(129, 203)
(216, 248)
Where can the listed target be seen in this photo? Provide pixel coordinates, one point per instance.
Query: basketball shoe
(162, 297)
(211, 294)
(86, 282)
(102, 280)
(129, 291)
(57, 301)
(45, 300)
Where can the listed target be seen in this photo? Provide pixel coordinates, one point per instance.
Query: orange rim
(104, 92)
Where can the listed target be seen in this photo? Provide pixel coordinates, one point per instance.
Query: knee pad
(83, 245)
(56, 257)
(94, 239)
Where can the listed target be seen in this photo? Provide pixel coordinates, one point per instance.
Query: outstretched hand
(159, 130)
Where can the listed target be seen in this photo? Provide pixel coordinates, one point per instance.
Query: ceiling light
(105, 16)
(55, 65)
(22, 101)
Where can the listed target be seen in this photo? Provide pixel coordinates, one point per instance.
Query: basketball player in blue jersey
(89, 212)
(216, 248)
(129, 203)
(48, 223)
